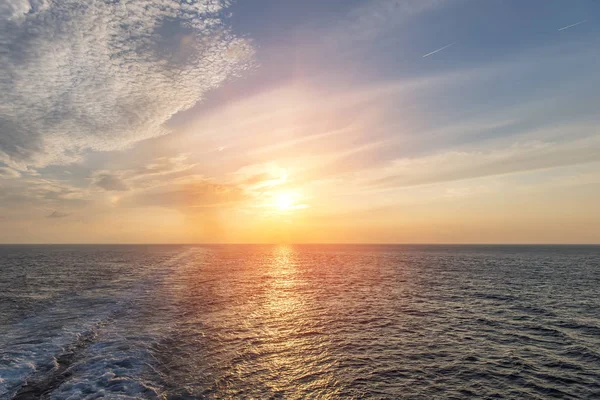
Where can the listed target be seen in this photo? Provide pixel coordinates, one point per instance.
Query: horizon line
(304, 244)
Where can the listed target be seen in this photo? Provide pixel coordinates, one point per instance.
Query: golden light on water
(289, 313)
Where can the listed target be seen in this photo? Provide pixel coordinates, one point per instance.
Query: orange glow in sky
(355, 126)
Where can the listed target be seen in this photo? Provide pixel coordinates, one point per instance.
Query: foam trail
(83, 344)
(438, 50)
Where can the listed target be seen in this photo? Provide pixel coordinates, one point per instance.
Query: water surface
(185, 322)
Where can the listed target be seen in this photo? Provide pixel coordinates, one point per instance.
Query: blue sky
(333, 121)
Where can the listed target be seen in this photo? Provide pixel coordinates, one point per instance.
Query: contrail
(435, 51)
(570, 26)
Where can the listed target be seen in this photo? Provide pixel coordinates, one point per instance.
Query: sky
(317, 121)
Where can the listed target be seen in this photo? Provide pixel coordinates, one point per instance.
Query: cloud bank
(102, 75)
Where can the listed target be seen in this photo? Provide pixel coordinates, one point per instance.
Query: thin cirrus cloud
(463, 165)
(104, 75)
(162, 168)
(367, 22)
(192, 194)
(187, 193)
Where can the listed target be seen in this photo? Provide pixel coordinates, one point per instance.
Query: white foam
(113, 364)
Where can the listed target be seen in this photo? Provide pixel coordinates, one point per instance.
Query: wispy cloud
(8, 173)
(461, 165)
(151, 174)
(572, 25)
(187, 194)
(369, 20)
(24, 193)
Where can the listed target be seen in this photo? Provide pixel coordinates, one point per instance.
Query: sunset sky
(157, 121)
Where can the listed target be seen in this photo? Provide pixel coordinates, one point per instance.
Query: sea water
(299, 321)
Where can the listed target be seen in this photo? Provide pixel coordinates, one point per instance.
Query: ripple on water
(300, 321)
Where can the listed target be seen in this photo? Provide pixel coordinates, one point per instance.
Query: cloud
(468, 164)
(58, 214)
(368, 21)
(26, 192)
(110, 182)
(153, 174)
(8, 173)
(194, 194)
(162, 166)
(188, 193)
(103, 75)
(16, 10)
(258, 176)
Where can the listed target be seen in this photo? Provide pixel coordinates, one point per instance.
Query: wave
(83, 346)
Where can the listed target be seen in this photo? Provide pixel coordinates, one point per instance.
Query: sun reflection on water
(283, 299)
(294, 348)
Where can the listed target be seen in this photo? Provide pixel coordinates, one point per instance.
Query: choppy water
(184, 322)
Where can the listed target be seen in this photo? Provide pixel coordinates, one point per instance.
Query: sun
(284, 201)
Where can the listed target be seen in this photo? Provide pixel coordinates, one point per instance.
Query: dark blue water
(185, 322)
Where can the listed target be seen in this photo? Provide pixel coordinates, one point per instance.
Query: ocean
(299, 321)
